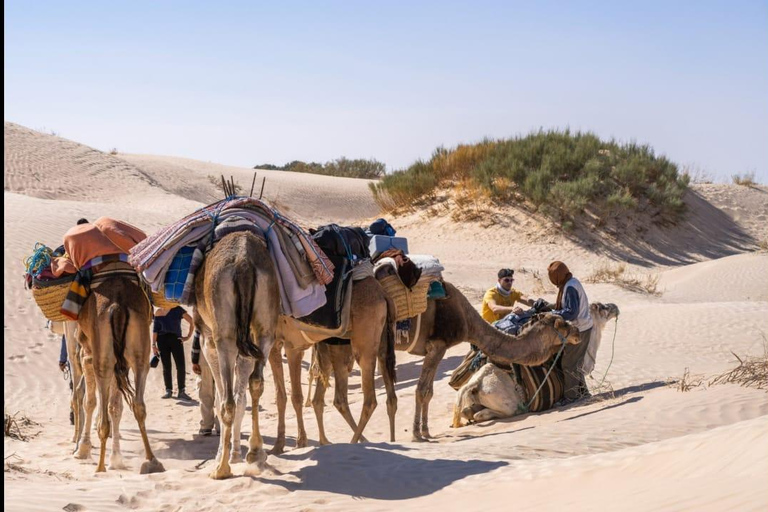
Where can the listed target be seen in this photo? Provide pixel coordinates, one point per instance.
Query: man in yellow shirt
(499, 301)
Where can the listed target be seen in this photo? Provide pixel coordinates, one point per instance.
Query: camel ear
(560, 323)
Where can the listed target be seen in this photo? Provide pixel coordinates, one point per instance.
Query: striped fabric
(80, 289)
(531, 377)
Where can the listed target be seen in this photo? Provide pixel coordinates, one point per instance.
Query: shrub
(559, 172)
(342, 167)
(746, 179)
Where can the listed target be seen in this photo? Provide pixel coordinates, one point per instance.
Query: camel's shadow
(408, 373)
(376, 471)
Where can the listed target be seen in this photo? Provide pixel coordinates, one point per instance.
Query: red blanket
(87, 241)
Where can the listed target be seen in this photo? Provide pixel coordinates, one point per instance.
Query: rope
(524, 408)
(39, 261)
(613, 344)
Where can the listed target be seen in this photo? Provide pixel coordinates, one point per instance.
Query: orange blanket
(87, 241)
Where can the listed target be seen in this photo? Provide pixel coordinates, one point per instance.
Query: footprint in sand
(17, 357)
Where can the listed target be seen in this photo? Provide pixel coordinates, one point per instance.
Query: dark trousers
(572, 360)
(171, 346)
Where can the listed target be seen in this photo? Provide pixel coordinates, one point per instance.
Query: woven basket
(408, 303)
(159, 301)
(50, 295)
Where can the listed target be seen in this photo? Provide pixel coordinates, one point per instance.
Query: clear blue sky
(245, 82)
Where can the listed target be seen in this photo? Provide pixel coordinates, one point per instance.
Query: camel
(69, 330)
(372, 321)
(237, 305)
(493, 393)
(114, 325)
(453, 320)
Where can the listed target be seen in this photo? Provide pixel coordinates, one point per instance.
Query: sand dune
(648, 446)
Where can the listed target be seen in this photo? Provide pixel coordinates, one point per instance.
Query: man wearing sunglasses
(500, 300)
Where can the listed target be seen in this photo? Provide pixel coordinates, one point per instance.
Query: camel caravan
(261, 286)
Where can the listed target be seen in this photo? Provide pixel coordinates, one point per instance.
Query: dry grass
(763, 245)
(747, 179)
(688, 382)
(617, 274)
(752, 372)
(18, 428)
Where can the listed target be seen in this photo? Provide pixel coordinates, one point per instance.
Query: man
(572, 304)
(500, 300)
(205, 388)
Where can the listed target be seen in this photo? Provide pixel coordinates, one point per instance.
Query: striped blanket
(80, 287)
(303, 269)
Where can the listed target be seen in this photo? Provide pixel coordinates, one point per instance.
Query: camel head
(603, 312)
(563, 328)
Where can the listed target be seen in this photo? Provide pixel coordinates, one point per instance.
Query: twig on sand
(201, 464)
(752, 372)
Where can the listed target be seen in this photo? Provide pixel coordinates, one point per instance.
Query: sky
(246, 83)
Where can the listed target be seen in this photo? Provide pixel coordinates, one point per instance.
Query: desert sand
(646, 446)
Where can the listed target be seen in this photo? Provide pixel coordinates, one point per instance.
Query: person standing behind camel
(499, 301)
(572, 304)
(205, 388)
(167, 341)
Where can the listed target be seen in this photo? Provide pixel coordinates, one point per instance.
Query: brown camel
(114, 325)
(237, 303)
(448, 322)
(371, 338)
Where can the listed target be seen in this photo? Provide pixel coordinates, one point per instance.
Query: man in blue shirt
(572, 304)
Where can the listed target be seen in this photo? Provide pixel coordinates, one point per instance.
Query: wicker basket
(159, 301)
(408, 302)
(50, 295)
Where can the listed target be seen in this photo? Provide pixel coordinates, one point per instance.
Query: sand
(649, 446)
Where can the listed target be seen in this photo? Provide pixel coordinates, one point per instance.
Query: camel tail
(390, 340)
(245, 288)
(118, 321)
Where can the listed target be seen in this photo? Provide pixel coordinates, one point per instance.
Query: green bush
(343, 167)
(559, 172)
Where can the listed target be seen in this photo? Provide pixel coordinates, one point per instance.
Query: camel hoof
(277, 449)
(363, 439)
(116, 462)
(83, 451)
(236, 457)
(418, 439)
(258, 457)
(301, 442)
(324, 442)
(425, 434)
(101, 468)
(221, 474)
(151, 466)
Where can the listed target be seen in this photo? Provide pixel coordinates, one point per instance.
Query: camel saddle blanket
(96, 270)
(531, 377)
(84, 242)
(344, 246)
(314, 331)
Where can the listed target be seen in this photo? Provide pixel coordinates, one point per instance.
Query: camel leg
(256, 454)
(83, 450)
(487, 414)
(140, 367)
(424, 390)
(312, 375)
(294, 370)
(104, 384)
(78, 391)
(281, 398)
(390, 387)
(339, 356)
(115, 415)
(222, 360)
(243, 371)
(318, 401)
(367, 362)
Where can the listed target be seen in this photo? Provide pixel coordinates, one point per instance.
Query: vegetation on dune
(343, 167)
(559, 173)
